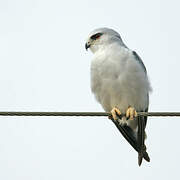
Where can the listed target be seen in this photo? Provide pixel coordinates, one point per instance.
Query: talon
(116, 113)
(131, 113)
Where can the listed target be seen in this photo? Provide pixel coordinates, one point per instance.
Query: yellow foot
(116, 113)
(131, 113)
(117, 116)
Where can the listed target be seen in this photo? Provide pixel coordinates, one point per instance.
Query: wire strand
(18, 113)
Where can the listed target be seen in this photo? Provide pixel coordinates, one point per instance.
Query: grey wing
(127, 132)
(140, 61)
(142, 121)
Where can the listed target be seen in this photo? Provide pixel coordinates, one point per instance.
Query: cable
(17, 113)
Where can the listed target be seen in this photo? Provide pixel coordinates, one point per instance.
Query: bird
(121, 85)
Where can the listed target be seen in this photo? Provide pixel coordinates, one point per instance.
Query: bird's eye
(96, 36)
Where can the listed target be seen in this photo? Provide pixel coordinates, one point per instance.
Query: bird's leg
(131, 113)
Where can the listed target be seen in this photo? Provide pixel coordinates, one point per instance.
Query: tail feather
(128, 134)
(140, 140)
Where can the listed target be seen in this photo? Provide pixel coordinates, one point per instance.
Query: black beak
(87, 46)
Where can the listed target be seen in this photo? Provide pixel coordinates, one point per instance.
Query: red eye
(96, 36)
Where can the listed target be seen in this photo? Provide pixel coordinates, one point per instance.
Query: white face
(101, 37)
(94, 41)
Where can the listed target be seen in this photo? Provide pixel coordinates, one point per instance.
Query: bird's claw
(131, 113)
(116, 113)
(117, 116)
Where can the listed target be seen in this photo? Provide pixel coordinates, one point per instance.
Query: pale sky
(44, 67)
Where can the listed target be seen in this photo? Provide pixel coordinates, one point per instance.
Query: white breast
(117, 79)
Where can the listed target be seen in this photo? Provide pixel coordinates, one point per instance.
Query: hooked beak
(87, 45)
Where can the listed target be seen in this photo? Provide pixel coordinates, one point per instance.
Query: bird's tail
(140, 141)
(128, 134)
(143, 154)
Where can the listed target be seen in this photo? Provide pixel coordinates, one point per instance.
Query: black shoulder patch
(139, 60)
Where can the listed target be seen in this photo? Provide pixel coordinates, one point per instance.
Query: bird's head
(102, 37)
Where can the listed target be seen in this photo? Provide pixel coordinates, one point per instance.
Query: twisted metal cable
(17, 113)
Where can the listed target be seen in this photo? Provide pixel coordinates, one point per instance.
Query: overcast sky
(44, 67)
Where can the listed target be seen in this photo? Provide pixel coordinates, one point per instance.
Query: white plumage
(118, 79)
(118, 76)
